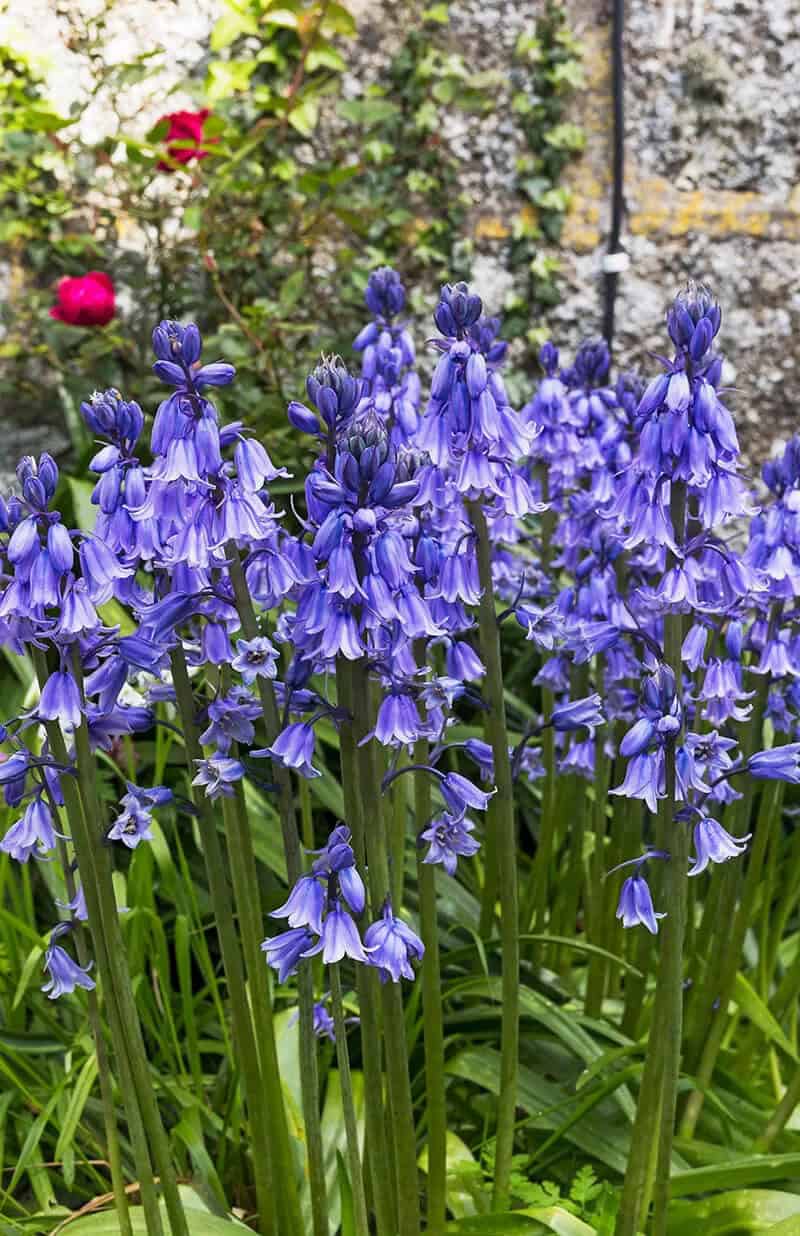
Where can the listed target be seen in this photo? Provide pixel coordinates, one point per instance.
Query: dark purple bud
(548, 358)
(59, 544)
(713, 373)
(364, 521)
(444, 319)
(33, 492)
(217, 374)
(105, 459)
(48, 474)
(400, 494)
(328, 403)
(303, 418)
(382, 483)
(654, 395)
(701, 339)
(168, 371)
(679, 324)
(190, 347)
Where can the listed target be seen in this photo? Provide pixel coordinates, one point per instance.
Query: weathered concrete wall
(712, 188)
(712, 177)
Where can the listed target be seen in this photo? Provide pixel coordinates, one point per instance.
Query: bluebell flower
(449, 839)
(77, 906)
(61, 700)
(338, 860)
(636, 905)
(322, 1022)
(132, 825)
(33, 834)
(285, 950)
(480, 753)
(293, 748)
(777, 764)
(713, 844)
(339, 937)
(217, 775)
(231, 718)
(644, 778)
(65, 974)
(392, 946)
(385, 294)
(305, 904)
(398, 722)
(578, 714)
(255, 658)
(459, 793)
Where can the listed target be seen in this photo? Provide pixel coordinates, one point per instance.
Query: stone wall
(712, 188)
(712, 175)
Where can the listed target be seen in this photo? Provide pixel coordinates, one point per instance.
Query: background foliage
(322, 188)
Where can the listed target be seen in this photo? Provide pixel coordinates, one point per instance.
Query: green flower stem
(309, 1063)
(348, 1107)
(543, 859)
(247, 907)
(573, 881)
(129, 1018)
(537, 903)
(398, 798)
(109, 955)
(103, 1069)
(599, 910)
(243, 1033)
(721, 978)
(655, 1115)
(640, 1169)
(768, 897)
(781, 1115)
(377, 841)
(670, 1028)
(720, 909)
(433, 1022)
(381, 1169)
(501, 815)
(790, 887)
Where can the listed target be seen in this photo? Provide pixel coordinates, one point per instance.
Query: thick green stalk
(781, 1115)
(670, 1028)
(536, 903)
(109, 955)
(543, 859)
(573, 876)
(129, 1018)
(655, 1115)
(502, 816)
(309, 1063)
(348, 1107)
(381, 1172)
(368, 788)
(722, 980)
(718, 940)
(433, 1022)
(247, 906)
(243, 1033)
(398, 799)
(598, 907)
(103, 1069)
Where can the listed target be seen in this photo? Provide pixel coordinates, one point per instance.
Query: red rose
(184, 128)
(87, 300)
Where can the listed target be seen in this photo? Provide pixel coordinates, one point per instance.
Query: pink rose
(184, 128)
(87, 300)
